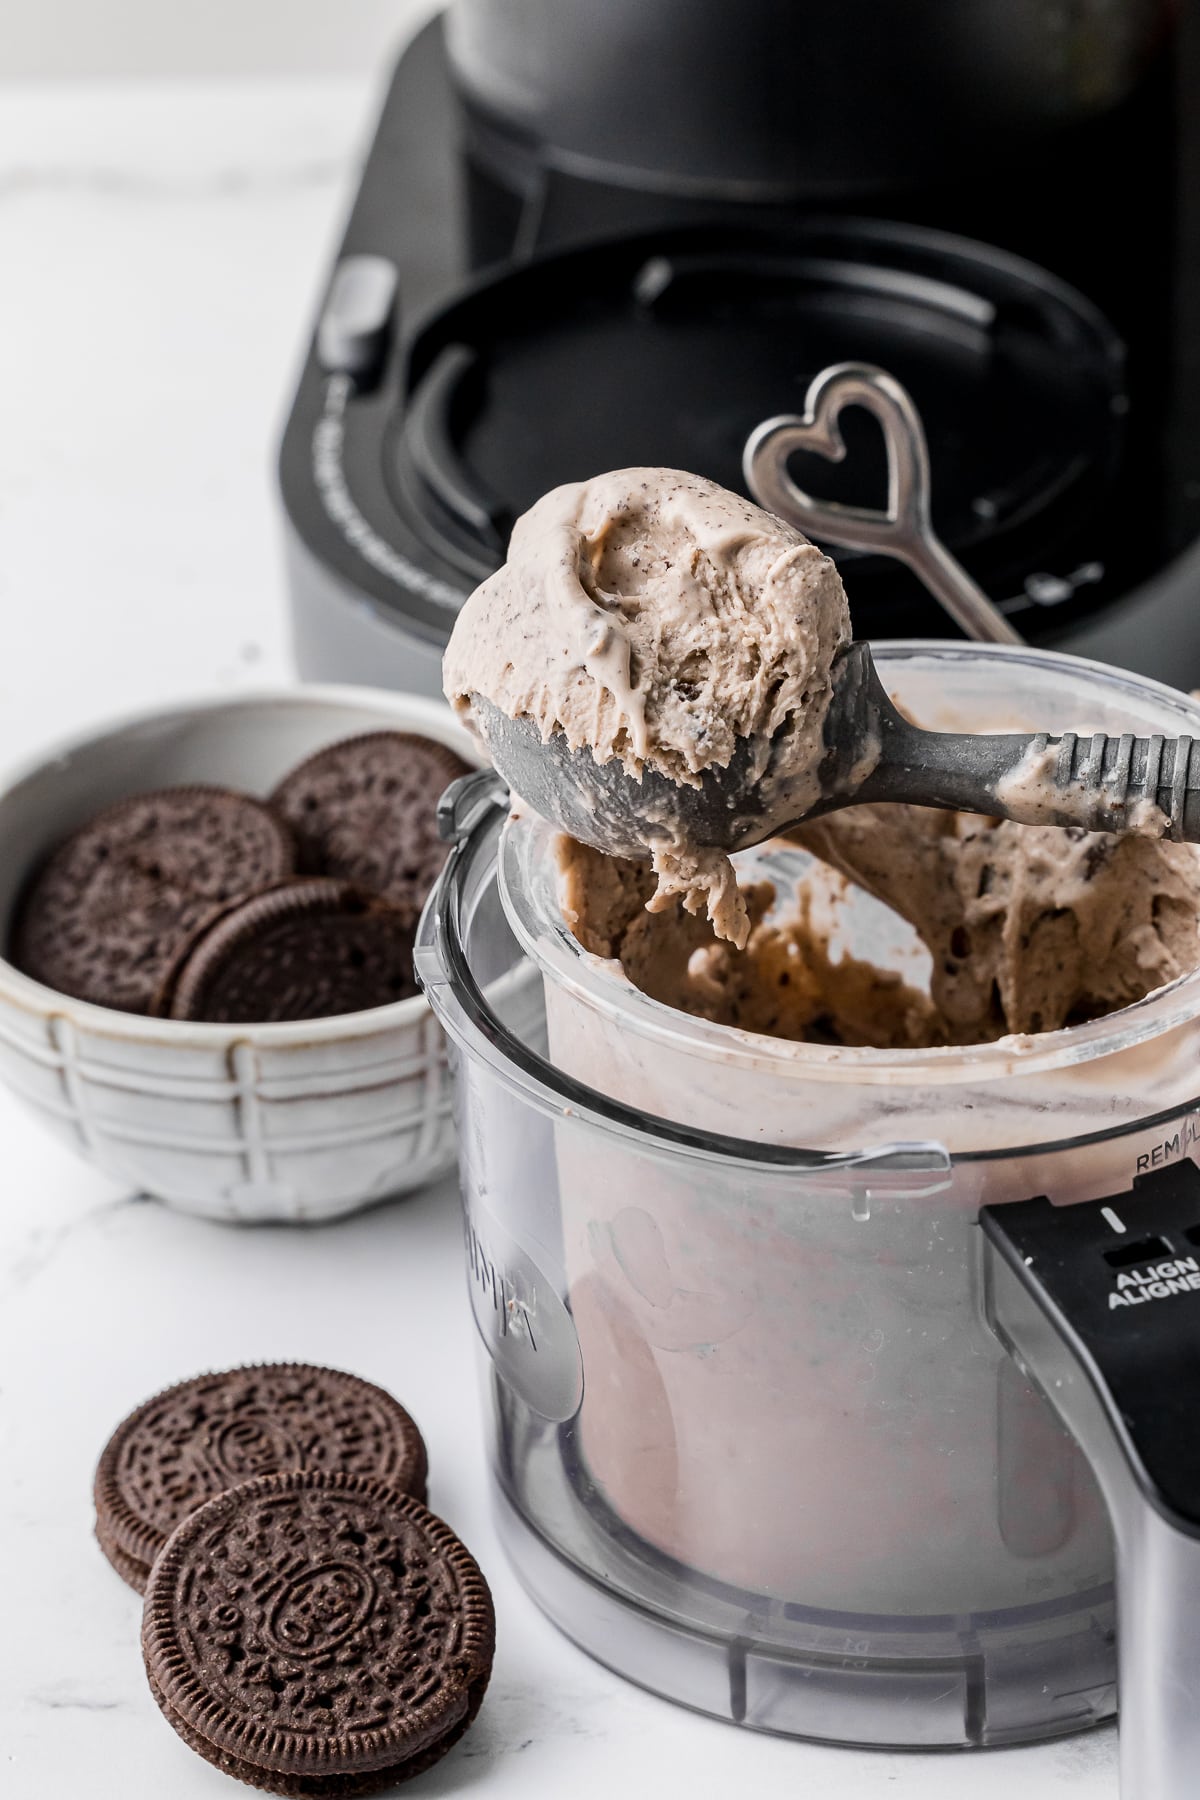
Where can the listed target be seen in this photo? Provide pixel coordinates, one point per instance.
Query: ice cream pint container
(754, 1443)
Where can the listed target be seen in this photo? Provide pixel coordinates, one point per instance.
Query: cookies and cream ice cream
(654, 618)
(651, 619)
(1029, 928)
(786, 983)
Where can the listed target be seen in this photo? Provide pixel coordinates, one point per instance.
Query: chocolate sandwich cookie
(303, 950)
(136, 1573)
(106, 915)
(208, 1434)
(365, 810)
(317, 1634)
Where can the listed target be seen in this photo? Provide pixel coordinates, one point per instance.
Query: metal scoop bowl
(872, 753)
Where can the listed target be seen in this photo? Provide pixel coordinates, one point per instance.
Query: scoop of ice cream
(653, 617)
(1030, 927)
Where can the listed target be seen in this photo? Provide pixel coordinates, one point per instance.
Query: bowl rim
(412, 711)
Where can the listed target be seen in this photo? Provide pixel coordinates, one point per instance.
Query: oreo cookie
(365, 811)
(303, 950)
(209, 1434)
(318, 1634)
(107, 914)
(136, 1573)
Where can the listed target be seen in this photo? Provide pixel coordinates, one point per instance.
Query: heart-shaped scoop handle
(905, 529)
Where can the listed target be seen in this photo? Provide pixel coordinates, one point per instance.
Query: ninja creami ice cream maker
(832, 1390)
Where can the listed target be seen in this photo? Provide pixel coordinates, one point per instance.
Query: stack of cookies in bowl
(205, 903)
(207, 919)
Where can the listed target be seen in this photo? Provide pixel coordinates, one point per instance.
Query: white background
(200, 37)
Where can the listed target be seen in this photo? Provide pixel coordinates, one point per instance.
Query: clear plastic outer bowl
(754, 1445)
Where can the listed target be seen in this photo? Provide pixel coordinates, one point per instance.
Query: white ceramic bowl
(291, 1122)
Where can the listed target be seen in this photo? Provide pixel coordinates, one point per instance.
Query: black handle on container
(1099, 1304)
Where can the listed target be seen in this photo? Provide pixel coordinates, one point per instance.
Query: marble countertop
(162, 249)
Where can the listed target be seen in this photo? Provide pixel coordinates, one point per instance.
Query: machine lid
(669, 350)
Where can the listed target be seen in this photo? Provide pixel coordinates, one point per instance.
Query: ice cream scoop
(871, 753)
(666, 671)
